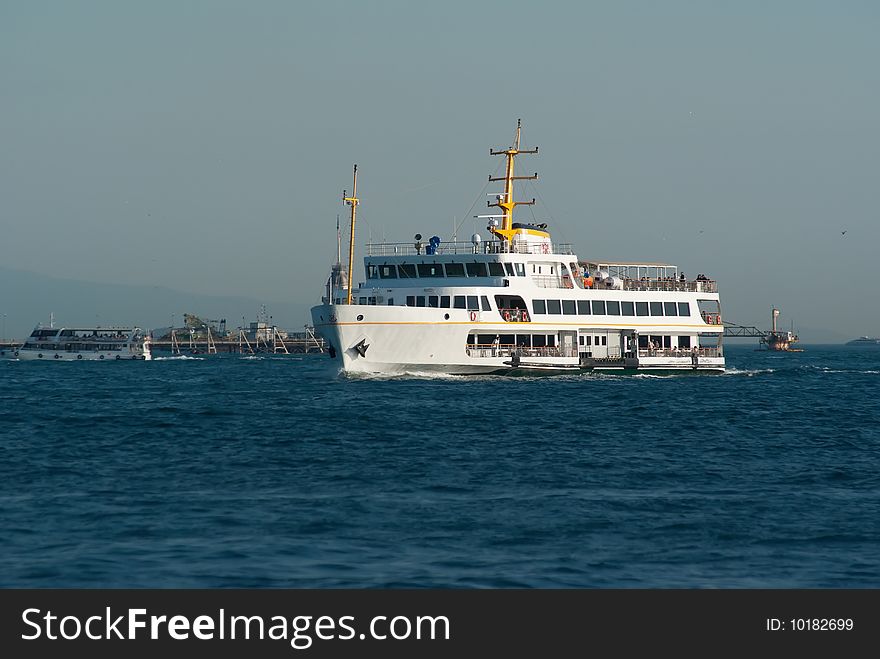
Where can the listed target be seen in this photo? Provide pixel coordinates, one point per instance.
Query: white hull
(396, 340)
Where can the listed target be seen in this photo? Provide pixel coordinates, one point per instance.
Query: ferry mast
(505, 200)
(353, 202)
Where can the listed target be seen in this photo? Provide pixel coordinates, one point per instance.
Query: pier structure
(773, 339)
(270, 340)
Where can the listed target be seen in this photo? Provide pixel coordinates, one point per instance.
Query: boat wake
(177, 358)
(748, 372)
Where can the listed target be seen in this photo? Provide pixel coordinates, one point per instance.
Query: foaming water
(277, 471)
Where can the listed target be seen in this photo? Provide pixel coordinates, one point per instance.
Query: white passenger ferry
(514, 301)
(83, 343)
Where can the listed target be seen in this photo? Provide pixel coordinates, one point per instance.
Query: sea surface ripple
(279, 472)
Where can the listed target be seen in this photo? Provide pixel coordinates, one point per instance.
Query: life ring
(507, 316)
(473, 315)
(79, 356)
(525, 316)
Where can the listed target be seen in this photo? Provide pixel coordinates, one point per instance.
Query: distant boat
(82, 343)
(865, 341)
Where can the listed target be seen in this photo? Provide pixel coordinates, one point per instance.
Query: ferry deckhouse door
(567, 343)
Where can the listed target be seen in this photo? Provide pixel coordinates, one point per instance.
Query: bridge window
(472, 303)
(387, 272)
(485, 302)
(684, 309)
(613, 308)
(407, 270)
(627, 309)
(670, 308)
(476, 269)
(430, 270)
(434, 301)
(496, 269)
(598, 307)
(455, 269)
(553, 307)
(508, 267)
(656, 308)
(459, 302)
(569, 308)
(584, 307)
(372, 272)
(641, 308)
(540, 306)
(444, 301)
(420, 300)
(520, 269)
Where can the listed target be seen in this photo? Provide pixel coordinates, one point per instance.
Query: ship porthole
(79, 356)
(101, 357)
(446, 316)
(118, 357)
(57, 357)
(360, 316)
(39, 355)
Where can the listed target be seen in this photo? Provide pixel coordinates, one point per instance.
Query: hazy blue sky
(204, 146)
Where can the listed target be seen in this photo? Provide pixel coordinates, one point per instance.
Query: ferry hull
(404, 340)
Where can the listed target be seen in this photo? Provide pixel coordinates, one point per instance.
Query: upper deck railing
(695, 286)
(461, 247)
(564, 281)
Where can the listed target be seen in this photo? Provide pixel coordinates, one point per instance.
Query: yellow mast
(353, 202)
(506, 202)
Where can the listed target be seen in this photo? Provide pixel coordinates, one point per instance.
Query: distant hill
(27, 298)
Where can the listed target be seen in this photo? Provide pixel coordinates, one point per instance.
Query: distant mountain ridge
(27, 298)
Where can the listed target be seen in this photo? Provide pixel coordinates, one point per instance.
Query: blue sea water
(278, 472)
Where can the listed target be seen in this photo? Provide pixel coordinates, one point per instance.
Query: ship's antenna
(505, 199)
(338, 241)
(353, 202)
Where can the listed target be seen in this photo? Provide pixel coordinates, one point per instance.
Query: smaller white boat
(83, 343)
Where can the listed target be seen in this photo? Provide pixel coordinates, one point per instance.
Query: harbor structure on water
(779, 340)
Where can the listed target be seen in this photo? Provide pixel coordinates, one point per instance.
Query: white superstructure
(83, 343)
(515, 301)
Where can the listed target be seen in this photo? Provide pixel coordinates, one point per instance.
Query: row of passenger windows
(435, 270)
(527, 340)
(442, 302)
(610, 308)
